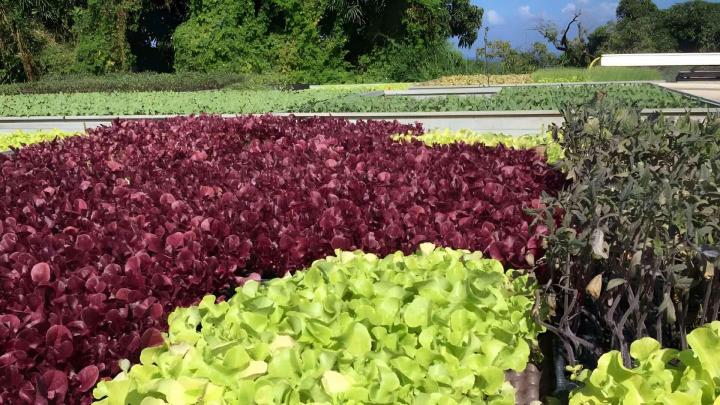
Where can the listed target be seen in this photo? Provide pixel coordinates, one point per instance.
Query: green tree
(407, 40)
(515, 61)
(511, 60)
(542, 56)
(124, 35)
(694, 25)
(320, 36)
(257, 36)
(25, 26)
(642, 27)
(101, 28)
(630, 10)
(372, 24)
(598, 40)
(574, 50)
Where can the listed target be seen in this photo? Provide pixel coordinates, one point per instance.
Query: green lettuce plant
(551, 148)
(437, 327)
(17, 139)
(658, 376)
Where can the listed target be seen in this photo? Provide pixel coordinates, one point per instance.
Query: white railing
(661, 59)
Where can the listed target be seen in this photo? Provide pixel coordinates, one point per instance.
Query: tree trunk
(25, 56)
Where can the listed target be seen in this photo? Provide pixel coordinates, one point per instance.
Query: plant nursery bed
(509, 122)
(102, 236)
(331, 101)
(512, 98)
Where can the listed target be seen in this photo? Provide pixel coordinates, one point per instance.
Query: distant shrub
(125, 82)
(416, 61)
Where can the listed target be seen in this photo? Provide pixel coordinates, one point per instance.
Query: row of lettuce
(542, 143)
(630, 252)
(332, 99)
(439, 326)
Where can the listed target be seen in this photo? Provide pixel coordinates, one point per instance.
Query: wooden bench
(699, 73)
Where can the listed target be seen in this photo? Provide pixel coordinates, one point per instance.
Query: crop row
(18, 139)
(542, 144)
(440, 326)
(104, 235)
(511, 98)
(150, 103)
(479, 80)
(249, 101)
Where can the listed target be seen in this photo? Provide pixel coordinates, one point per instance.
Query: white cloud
(608, 7)
(493, 18)
(525, 12)
(583, 2)
(569, 8)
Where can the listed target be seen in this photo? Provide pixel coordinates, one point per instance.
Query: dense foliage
(642, 27)
(17, 139)
(317, 41)
(330, 100)
(440, 326)
(657, 375)
(637, 247)
(104, 235)
(29, 32)
(242, 36)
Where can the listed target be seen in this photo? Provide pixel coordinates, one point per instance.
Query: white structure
(661, 59)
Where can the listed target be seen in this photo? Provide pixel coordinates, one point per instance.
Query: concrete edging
(509, 122)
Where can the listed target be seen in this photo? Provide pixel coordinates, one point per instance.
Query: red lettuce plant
(102, 236)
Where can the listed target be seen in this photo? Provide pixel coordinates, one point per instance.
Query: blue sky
(513, 20)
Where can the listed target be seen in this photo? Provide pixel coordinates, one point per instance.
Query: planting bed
(150, 103)
(511, 98)
(102, 236)
(318, 101)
